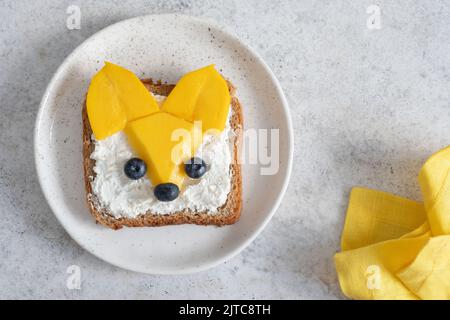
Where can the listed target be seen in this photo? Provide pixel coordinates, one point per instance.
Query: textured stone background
(368, 107)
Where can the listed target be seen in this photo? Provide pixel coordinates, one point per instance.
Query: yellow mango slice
(105, 112)
(116, 96)
(164, 142)
(201, 95)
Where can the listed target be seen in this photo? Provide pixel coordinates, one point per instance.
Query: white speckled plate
(164, 47)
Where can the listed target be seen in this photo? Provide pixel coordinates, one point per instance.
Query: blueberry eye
(135, 168)
(195, 168)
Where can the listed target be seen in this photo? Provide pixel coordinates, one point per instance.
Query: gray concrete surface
(368, 107)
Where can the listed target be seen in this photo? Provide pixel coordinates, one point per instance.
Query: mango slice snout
(164, 142)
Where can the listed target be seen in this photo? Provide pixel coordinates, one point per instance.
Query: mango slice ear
(116, 96)
(164, 142)
(201, 95)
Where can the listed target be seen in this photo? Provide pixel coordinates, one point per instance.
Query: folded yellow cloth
(395, 248)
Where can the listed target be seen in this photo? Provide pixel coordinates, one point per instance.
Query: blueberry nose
(166, 191)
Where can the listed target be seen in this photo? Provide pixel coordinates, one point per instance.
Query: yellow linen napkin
(395, 248)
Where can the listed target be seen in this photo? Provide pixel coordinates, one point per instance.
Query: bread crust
(229, 213)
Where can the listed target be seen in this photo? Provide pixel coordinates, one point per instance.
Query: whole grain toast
(229, 213)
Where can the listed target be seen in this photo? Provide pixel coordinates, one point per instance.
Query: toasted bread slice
(229, 213)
